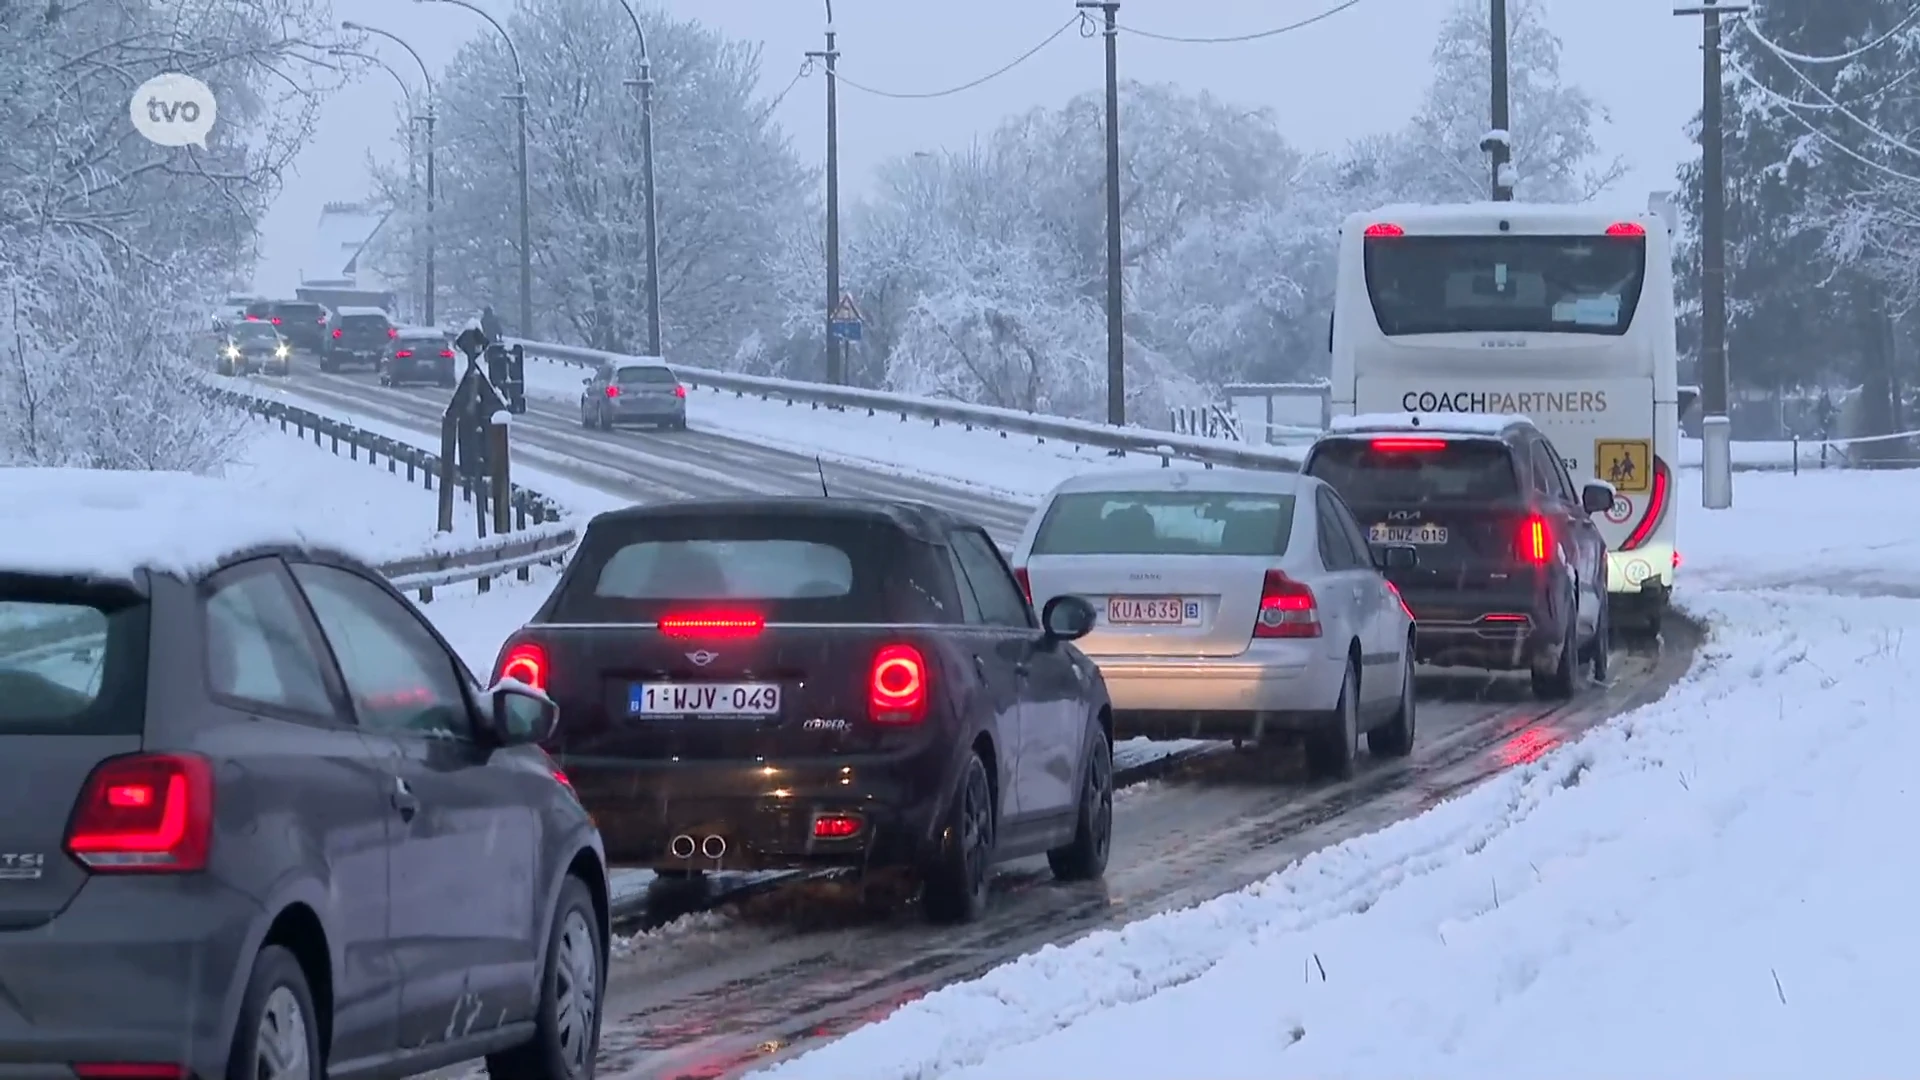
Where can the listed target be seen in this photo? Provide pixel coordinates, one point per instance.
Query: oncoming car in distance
(1232, 604)
(819, 683)
(254, 346)
(1512, 573)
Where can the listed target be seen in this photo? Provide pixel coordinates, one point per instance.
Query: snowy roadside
(1698, 887)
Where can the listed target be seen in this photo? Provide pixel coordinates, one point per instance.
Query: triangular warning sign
(845, 311)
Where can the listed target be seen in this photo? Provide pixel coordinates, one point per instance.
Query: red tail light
(680, 391)
(1409, 446)
(1026, 582)
(253, 318)
(713, 624)
(1626, 228)
(1384, 230)
(613, 391)
(336, 335)
(1656, 507)
(1288, 609)
(145, 814)
(392, 333)
(276, 320)
(402, 354)
(446, 354)
(527, 663)
(1535, 542)
(897, 686)
(128, 1070)
(835, 827)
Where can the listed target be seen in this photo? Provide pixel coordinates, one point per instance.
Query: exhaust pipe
(713, 846)
(682, 846)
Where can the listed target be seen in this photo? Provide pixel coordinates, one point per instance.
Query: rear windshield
(1166, 523)
(787, 569)
(260, 309)
(300, 311)
(70, 664)
(1466, 470)
(1514, 284)
(636, 376)
(364, 322)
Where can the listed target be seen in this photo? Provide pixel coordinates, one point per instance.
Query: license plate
(703, 699)
(1152, 611)
(1407, 534)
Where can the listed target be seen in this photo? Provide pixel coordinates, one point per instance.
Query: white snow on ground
(1703, 887)
(277, 489)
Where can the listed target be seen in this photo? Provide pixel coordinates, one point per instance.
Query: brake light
(1409, 446)
(253, 318)
(1535, 541)
(1676, 559)
(1656, 507)
(527, 663)
(392, 333)
(613, 391)
(713, 624)
(1026, 582)
(402, 354)
(1626, 228)
(1288, 609)
(680, 391)
(1384, 230)
(145, 813)
(446, 354)
(128, 1070)
(897, 686)
(276, 320)
(835, 827)
(336, 335)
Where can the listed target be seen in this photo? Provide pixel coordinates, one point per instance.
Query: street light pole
(432, 289)
(519, 98)
(1500, 147)
(645, 82)
(1116, 325)
(406, 97)
(1716, 430)
(836, 373)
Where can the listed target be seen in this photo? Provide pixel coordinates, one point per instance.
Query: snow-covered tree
(728, 185)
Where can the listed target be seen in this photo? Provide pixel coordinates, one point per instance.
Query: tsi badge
(173, 110)
(21, 867)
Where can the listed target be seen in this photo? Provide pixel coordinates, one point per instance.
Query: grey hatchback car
(258, 820)
(639, 391)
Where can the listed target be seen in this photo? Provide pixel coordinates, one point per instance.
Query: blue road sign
(845, 323)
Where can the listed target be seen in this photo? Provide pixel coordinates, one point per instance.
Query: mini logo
(22, 867)
(702, 657)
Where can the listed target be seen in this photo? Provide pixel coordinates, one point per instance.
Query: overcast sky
(1360, 71)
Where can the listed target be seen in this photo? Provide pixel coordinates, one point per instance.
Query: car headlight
(233, 352)
(281, 352)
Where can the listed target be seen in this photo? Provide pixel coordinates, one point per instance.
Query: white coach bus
(1561, 314)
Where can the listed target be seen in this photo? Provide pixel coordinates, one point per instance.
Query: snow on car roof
(344, 311)
(1437, 423)
(109, 524)
(423, 332)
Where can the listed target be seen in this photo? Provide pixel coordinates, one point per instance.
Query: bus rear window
(1467, 470)
(1505, 284)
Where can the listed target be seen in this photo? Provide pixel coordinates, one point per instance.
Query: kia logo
(703, 657)
(1403, 515)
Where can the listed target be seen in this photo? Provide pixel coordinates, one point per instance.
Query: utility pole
(1500, 148)
(1716, 449)
(645, 82)
(836, 373)
(1116, 329)
(526, 224)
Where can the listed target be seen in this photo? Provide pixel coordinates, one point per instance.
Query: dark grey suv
(260, 820)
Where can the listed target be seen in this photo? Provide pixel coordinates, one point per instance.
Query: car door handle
(404, 800)
(1022, 668)
(980, 666)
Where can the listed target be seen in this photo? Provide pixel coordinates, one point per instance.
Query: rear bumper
(134, 970)
(1496, 629)
(764, 812)
(404, 372)
(1645, 569)
(1274, 685)
(648, 412)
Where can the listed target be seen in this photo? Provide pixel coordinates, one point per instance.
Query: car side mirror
(1597, 496)
(1067, 618)
(1396, 557)
(519, 715)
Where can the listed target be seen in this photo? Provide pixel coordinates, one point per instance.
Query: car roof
(362, 311)
(919, 520)
(425, 332)
(112, 525)
(641, 362)
(1253, 481)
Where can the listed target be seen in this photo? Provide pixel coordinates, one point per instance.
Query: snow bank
(279, 490)
(1835, 529)
(1702, 887)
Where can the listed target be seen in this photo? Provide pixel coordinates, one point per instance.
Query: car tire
(955, 886)
(1562, 681)
(1085, 859)
(1331, 752)
(1603, 643)
(386, 380)
(329, 366)
(278, 1030)
(572, 987)
(1395, 737)
(586, 420)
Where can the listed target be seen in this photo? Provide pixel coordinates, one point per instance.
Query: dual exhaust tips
(684, 847)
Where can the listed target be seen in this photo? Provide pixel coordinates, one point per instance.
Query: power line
(1832, 103)
(1802, 58)
(806, 69)
(1236, 39)
(963, 87)
(1814, 129)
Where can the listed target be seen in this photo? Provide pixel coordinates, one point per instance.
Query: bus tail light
(1383, 230)
(1656, 507)
(1627, 229)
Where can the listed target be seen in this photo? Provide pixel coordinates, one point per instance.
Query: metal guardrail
(1167, 446)
(539, 537)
